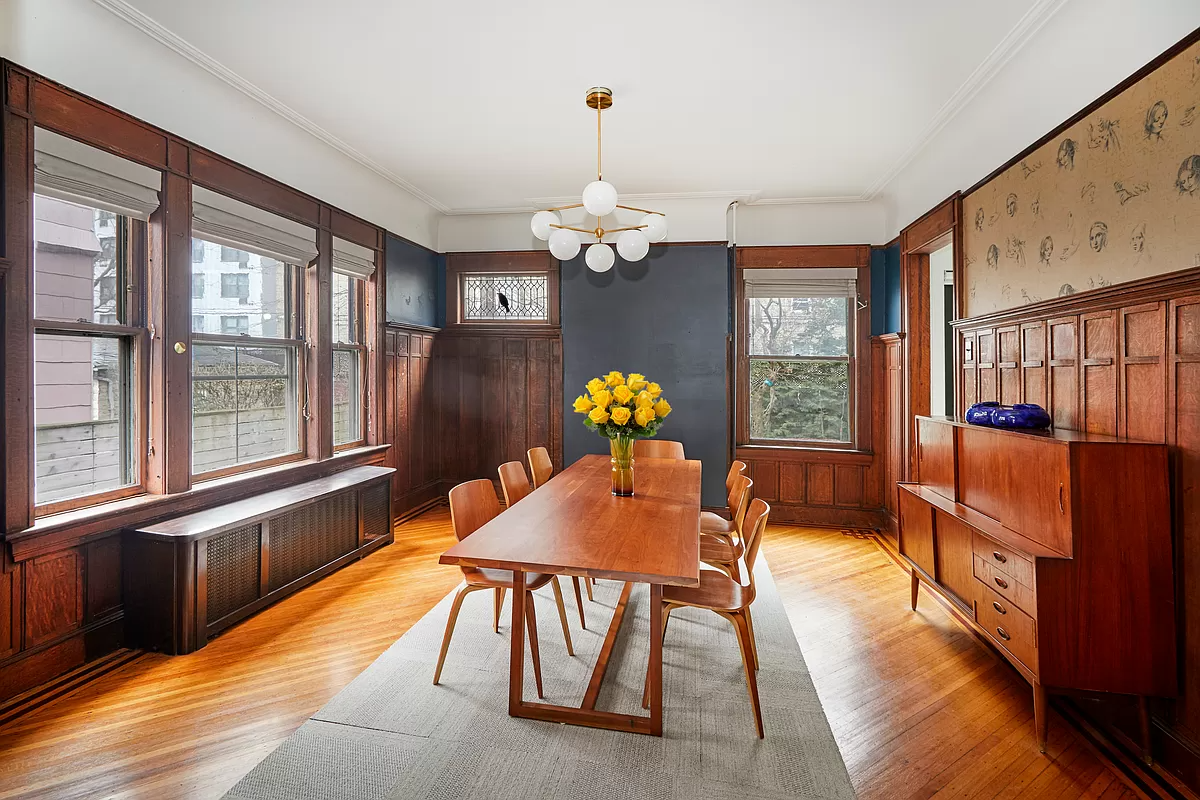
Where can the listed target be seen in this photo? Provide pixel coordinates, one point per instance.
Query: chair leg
(531, 627)
(497, 603)
(753, 641)
(579, 600)
(562, 614)
(589, 583)
(454, 609)
(740, 624)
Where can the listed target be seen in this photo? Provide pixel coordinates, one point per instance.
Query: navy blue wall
(668, 318)
(885, 289)
(412, 284)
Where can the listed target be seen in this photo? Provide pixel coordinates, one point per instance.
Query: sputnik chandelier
(599, 200)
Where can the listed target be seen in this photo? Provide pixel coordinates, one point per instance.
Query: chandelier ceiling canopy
(600, 200)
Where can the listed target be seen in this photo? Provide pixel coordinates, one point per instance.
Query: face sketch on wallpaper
(1188, 181)
(1010, 205)
(1066, 154)
(1045, 251)
(1125, 193)
(993, 256)
(1156, 120)
(979, 218)
(1071, 247)
(1066, 290)
(1105, 135)
(1088, 192)
(1035, 208)
(1098, 236)
(1137, 241)
(1014, 248)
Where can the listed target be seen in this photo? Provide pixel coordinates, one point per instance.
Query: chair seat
(716, 591)
(714, 549)
(503, 578)
(711, 523)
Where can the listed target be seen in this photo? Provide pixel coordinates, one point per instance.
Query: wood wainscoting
(1121, 360)
(410, 417)
(829, 488)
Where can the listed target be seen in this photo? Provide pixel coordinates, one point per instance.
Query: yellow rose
(643, 415)
(636, 381)
(662, 408)
(598, 415)
(583, 405)
(614, 378)
(622, 394)
(595, 385)
(644, 400)
(620, 415)
(602, 398)
(654, 389)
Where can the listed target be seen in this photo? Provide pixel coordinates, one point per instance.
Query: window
(197, 323)
(84, 348)
(236, 285)
(502, 297)
(232, 255)
(348, 359)
(197, 251)
(197, 284)
(235, 326)
(799, 346)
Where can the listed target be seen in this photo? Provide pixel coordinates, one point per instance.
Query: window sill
(59, 530)
(843, 455)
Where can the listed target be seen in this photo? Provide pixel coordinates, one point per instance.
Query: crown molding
(152, 28)
(1025, 29)
(536, 203)
(802, 201)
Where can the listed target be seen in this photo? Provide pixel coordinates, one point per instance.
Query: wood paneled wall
(888, 361)
(1125, 361)
(817, 487)
(411, 422)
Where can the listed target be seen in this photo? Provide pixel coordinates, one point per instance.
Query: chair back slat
(756, 524)
(735, 469)
(513, 482)
(658, 448)
(472, 505)
(540, 465)
(739, 500)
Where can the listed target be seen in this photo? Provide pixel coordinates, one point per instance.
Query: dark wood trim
(318, 297)
(249, 466)
(1154, 64)
(517, 261)
(803, 256)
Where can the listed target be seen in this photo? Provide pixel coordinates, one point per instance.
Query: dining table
(574, 525)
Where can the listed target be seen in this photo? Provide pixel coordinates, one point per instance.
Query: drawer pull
(999, 608)
(1003, 634)
(1062, 509)
(996, 554)
(1003, 584)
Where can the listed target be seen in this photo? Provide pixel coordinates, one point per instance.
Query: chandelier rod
(599, 144)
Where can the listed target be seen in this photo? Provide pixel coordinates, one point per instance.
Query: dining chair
(473, 504)
(728, 529)
(541, 468)
(516, 488)
(720, 550)
(730, 599)
(657, 448)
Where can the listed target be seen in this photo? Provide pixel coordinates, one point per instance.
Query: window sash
(358, 399)
(851, 401)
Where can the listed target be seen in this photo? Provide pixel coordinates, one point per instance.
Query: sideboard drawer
(1006, 585)
(1009, 626)
(1005, 559)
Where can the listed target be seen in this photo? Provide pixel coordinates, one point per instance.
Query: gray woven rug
(392, 734)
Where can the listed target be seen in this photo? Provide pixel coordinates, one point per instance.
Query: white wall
(813, 223)
(1083, 51)
(940, 261)
(81, 45)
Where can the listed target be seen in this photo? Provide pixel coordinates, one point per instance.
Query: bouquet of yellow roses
(618, 407)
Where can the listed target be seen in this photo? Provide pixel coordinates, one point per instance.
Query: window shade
(223, 220)
(800, 282)
(78, 173)
(353, 259)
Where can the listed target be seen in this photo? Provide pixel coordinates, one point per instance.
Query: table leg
(516, 662)
(656, 652)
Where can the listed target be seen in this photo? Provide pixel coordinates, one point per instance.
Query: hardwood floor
(918, 708)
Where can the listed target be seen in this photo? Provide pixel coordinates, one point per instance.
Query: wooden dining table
(573, 525)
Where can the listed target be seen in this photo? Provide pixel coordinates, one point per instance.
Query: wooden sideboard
(1056, 545)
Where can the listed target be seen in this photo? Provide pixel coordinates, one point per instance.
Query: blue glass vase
(1021, 415)
(981, 413)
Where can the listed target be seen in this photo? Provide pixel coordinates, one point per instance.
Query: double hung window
(352, 269)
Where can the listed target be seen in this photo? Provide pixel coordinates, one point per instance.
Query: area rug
(392, 734)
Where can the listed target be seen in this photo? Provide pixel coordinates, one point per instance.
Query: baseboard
(825, 516)
(1122, 758)
(417, 500)
(415, 511)
(32, 668)
(46, 693)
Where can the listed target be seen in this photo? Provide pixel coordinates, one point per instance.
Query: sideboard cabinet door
(916, 532)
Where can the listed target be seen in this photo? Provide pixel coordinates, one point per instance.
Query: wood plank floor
(918, 708)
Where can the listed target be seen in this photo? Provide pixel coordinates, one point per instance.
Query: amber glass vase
(622, 465)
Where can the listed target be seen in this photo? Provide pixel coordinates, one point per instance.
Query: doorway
(941, 336)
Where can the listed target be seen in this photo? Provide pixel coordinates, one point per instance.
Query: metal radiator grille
(233, 564)
(375, 512)
(311, 537)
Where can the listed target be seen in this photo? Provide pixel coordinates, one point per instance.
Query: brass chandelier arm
(573, 228)
(641, 210)
(565, 208)
(629, 228)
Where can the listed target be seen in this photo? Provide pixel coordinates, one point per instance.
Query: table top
(573, 525)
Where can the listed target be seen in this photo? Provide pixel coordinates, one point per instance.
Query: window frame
(133, 262)
(459, 265)
(296, 341)
(860, 384)
(359, 346)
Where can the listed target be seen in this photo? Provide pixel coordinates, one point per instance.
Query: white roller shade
(221, 219)
(353, 259)
(800, 282)
(78, 173)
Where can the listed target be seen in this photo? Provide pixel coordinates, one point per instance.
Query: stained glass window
(493, 298)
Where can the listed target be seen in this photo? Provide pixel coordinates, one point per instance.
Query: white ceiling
(476, 105)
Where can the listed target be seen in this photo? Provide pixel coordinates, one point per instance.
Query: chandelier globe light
(600, 199)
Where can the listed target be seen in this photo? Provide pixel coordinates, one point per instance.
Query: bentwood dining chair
(657, 448)
(472, 504)
(542, 468)
(516, 488)
(719, 550)
(729, 598)
(727, 529)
